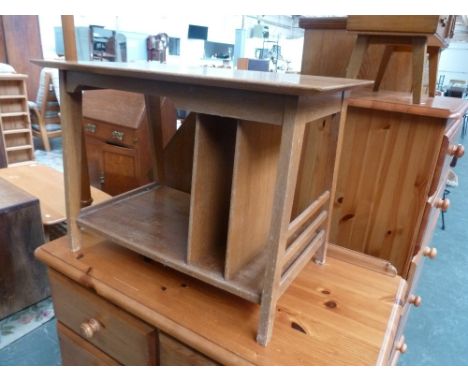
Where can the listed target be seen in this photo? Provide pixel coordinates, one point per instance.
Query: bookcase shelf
(15, 125)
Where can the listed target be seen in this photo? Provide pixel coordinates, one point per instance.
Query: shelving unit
(231, 224)
(15, 124)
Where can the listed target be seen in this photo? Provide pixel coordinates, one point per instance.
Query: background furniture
(45, 111)
(118, 140)
(20, 40)
(420, 34)
(115, 307)
(394, 166)
(23, 280)
(47, 185)
(15, 124)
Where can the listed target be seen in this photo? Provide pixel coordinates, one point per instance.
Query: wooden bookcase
(15, 123)
(232, 226)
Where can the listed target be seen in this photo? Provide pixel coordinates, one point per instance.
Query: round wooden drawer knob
(402, 347)
(430, 252)
(89, 328)
(457, 151)
(443, 204)
(415, 300)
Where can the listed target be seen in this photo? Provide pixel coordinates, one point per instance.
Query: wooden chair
(45, 112)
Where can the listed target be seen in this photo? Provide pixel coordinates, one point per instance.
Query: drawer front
(449, 150)
(432, 210)
(123, 337)
(107, 132)
(399, 348)
(175, 353)
(78, 352)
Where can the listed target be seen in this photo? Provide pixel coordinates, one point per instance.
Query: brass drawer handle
(415, 300)
(443, 204)
(89, 328)
(429, 252)
(117, 135)
(90, 128)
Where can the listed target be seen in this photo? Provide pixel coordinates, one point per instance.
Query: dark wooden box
(23, 280)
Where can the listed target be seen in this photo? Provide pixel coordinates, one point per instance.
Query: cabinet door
(120, 169)
(94, 149)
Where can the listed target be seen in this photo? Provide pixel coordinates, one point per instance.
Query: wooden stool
(418, 34)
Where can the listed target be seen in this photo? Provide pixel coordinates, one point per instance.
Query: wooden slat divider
(303, 239)
(305, 215)
(290, 274)
(211, 189)
(253, 184)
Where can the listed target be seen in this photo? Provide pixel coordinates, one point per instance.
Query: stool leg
(357, 56)
(383, 66)
(419, 53)
(434, 56)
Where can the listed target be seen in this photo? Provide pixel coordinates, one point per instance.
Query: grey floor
(436, 333)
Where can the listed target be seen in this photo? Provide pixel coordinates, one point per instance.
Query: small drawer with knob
(113, 134)
(400, 348)
(449, 155)
(435, 205)
(118, 334)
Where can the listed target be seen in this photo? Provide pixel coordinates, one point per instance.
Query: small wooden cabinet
(23, 280)
(117, 140)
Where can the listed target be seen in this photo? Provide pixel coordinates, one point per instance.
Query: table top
(332, 314)
(438, 107)
(268, 82)
(47, 185)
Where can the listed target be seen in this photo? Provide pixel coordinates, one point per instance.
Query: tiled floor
(436, 333)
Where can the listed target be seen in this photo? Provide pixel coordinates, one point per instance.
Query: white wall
(220, 29)
(454, 62)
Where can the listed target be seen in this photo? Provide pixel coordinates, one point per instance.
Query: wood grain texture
(327, 51)
(175, 353)
(213, 160)
(334, 314)
(438, 107)
(71, 114)
(404, 24)
(122, 336)
(114, 107)
(23, 280)
(178, 156)
(254, 178)
(277, 83)
(22, 38)
(381, 192)
(116, 126)
(76, 351)
(47, 185)
(317, 162)
(292, 134)
(160, 225)
(328, 23)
